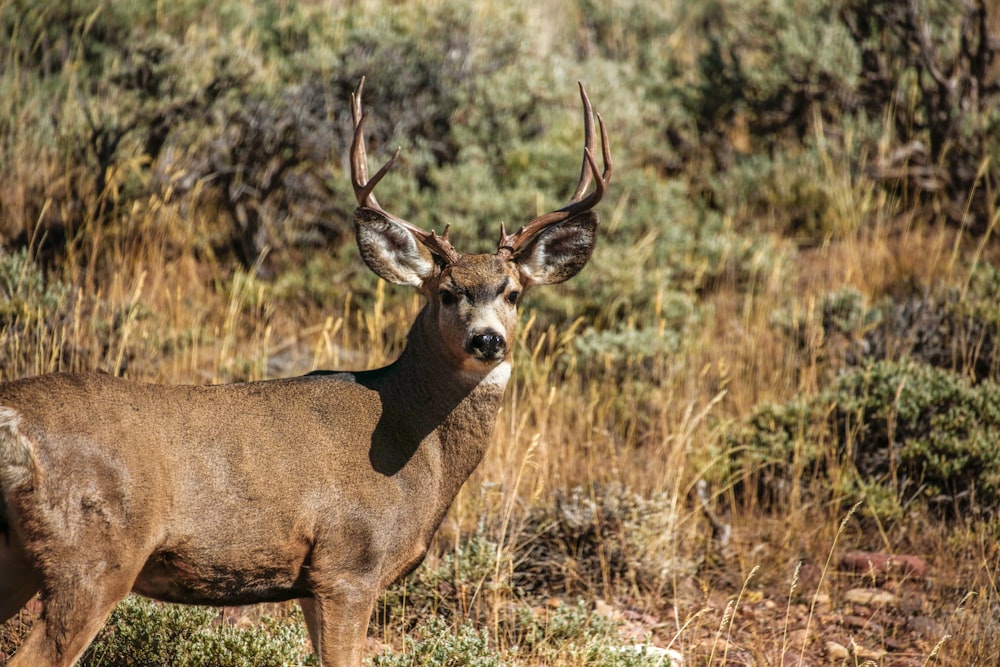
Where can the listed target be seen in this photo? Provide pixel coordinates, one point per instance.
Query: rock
(883, 565)
(875, 597)
(860, 651)
(644, 619)
(792, 659)
(836, 651)
(892, 644)
(861, 622)
(799, 637)
(602, 608)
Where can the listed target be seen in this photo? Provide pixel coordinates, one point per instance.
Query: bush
(592, 537)
(569, 634)
(927, 66)
(440, 645)
(574, 634)
(464, 584)
(143, 632)
(953, 327)
(925, 434)
(767, 71)
(957, 328)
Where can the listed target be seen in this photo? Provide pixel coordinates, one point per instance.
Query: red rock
(880, 564)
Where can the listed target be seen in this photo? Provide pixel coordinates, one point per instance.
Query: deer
(323, 488)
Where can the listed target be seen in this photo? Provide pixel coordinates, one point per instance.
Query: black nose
(489, 345)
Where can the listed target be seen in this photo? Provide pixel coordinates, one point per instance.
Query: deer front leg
(337, 617)
(310, 610)
(69, 622)
(18, 580)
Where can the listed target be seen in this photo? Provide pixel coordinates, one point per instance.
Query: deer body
(323, 488)
(249, 548)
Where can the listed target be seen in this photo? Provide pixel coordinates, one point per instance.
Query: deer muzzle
(486, 346)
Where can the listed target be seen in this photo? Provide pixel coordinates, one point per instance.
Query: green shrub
(24, 288)
(440, 645)
(954, 328)
(923, 430)
(141, 632)
(463, 584)
(757, 83)
(944, 127)
(563, 634)
(924, 434)
(33, 315)
(573, 633)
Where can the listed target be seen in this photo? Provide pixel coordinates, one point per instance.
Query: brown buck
(323, 488)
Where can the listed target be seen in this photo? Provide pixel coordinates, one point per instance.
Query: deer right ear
(558, 252)
(390, 249)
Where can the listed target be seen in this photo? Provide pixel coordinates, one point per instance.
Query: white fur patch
(498, 375)
(410, 265)
(15, 450)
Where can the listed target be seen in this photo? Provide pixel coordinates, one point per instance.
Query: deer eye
(447, 298)
(512, 297)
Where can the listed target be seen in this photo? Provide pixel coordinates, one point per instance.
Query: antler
(364, 186)
(511, 243)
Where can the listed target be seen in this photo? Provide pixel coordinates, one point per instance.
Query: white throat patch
(495, 377)
(498, 376)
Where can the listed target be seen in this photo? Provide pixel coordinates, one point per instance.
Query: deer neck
(442, 405)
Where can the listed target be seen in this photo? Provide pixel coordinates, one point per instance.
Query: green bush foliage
(142, 632)
(463, 584)
(440, 645)
(565, 634)
(925, 434)
(954, 327)
(23, 288)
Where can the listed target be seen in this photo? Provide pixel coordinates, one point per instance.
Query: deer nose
(488, 345)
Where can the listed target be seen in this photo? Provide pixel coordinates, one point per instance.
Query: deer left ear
(390, 249)
(559, 252)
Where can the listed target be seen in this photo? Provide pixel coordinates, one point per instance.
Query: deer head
(473, 297)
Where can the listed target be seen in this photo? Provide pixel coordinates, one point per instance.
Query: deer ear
(559, 252)
(391, 250)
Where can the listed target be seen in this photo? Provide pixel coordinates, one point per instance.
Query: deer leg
(13, 598)
(311, 612)
(344, 613)
(72, 615)
(18, 580)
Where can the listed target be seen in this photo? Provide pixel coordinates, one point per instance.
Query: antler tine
(589, 172)
(364, 186)
(590, 138)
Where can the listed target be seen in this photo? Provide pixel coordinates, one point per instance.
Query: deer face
(475, 304)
